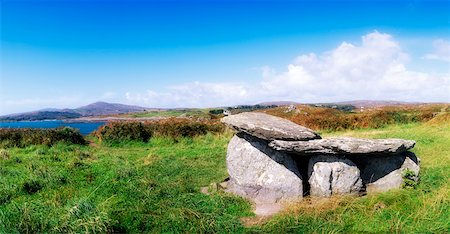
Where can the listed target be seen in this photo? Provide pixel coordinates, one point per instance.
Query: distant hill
(104, 108)
(355, 103)
(94, 109)
(375, 103)
(278, 103)
(40, 115)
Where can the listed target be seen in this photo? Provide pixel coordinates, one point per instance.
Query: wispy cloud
(441, 51)
(196, 94)
(375, 68)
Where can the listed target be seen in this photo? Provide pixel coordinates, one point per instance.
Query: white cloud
(376, 68)
(194, 94)
(441, 51)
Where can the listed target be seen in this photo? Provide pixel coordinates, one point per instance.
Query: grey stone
(269, 127)
(344, 145)
(383, 173)
(260, 173)
(332, 175)
(223, 185)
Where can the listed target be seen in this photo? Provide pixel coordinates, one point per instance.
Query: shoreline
(107, 119)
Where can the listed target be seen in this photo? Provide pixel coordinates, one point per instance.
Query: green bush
(22, 137)
(143, 131)
(124, 131)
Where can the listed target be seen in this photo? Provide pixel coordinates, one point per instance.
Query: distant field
(333, 119)
(171, 113)
(154, 187)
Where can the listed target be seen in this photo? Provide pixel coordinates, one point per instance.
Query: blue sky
(69, 53)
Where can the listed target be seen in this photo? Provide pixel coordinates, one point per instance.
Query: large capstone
(344, 146)
(331, 175)
(260, 173)
(382, 173)
(269, 127)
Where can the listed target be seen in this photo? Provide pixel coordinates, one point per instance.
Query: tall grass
(154, 187)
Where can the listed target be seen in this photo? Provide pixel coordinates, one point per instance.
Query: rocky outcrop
(344, 146)
(269, 127)
(271, 160)
(261, 173)
(331, 175)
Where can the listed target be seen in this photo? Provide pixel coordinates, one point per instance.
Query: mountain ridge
(104, 108)
(93, 109)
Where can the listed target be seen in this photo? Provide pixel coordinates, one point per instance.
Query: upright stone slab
(382, 173)
(260, 173)
(269, 127)
(332, 175)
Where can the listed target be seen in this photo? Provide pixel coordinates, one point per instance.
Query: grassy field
(154, 187)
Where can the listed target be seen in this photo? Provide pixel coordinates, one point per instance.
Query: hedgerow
(143, 131)
(22, 137)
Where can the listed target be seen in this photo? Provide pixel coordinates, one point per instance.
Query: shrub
(120, 131)
(21, 137)
(143, 131)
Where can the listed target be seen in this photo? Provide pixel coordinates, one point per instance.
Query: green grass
(154, 187)
(425, 209)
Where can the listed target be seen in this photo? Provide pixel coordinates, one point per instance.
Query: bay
(84, 127)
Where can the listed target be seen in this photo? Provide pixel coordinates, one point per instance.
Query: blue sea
(84, 127)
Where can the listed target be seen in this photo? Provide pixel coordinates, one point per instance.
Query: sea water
(84, 127)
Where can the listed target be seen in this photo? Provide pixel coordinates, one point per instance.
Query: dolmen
(272, 160)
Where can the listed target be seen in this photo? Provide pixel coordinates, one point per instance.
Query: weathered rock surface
(331, 175)
(260, 173)
(269, 127)
(382, 173)
(263, 166)
(344, 145)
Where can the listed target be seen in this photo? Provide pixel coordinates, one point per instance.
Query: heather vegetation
(151, 181)
(331, 119)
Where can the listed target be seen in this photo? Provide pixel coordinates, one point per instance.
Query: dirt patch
(254, 221)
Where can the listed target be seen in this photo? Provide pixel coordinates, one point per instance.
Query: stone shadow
(375, 167)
